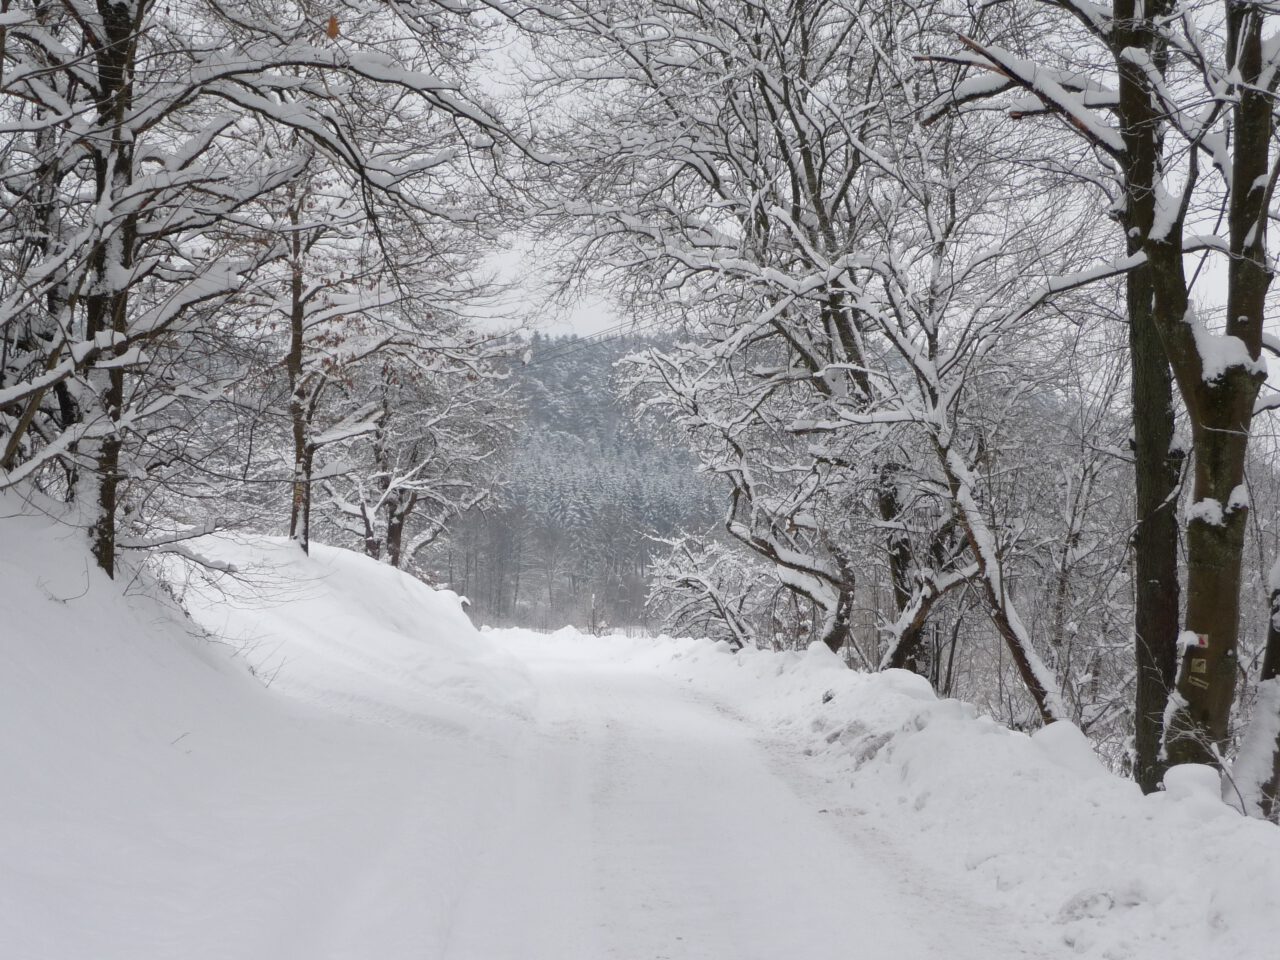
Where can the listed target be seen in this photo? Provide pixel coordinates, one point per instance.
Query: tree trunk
(102, 533)
(300, 517)
(1157, 469)
(1270, 702)
(106, 308)
(1157, 466)
(300, 499)
(1199, 723)
(839, 629)
(906, 647)
(397, 517)
(372, 545)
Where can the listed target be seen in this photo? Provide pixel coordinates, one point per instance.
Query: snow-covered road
(643, 822)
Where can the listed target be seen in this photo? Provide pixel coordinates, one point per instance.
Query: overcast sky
(527, 302)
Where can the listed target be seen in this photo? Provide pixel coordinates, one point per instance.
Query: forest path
(641, 822)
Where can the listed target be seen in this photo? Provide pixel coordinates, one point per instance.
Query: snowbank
(158, 801)
(350, 634)
(1035, 825)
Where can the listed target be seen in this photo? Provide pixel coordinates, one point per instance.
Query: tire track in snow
(649, 825)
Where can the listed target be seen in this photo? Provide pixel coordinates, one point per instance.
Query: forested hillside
(579, 496)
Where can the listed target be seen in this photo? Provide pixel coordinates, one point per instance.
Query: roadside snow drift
(1035, 824)
(160, 802)
(348, 633)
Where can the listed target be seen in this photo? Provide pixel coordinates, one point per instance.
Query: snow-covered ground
(353, 771)
(159, 802)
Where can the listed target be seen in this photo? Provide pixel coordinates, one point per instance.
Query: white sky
(527, 302)
(520, 265)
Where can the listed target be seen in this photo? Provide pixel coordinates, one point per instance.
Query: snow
(1197, 782)
(353, 770)
(1189, 638)
(1239, 499)
(161, 802)
(1220, 352)
(1033, 826)
(346, 632)
(1206, 511)
(1049, 86)
(1253, 765)
(1068, 748)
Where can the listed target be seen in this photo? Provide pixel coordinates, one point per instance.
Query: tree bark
(398, 512)
(840, 630)
(1157, 470)
(106, 308)
(1157, 466)
(303, 455)
(906, 649)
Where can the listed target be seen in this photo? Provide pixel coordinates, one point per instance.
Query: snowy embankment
(1034, 826)
(349, 634)
(160, 802)
(353, 771)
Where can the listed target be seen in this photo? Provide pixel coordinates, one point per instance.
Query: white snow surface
(409, 787)
(347, 633)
